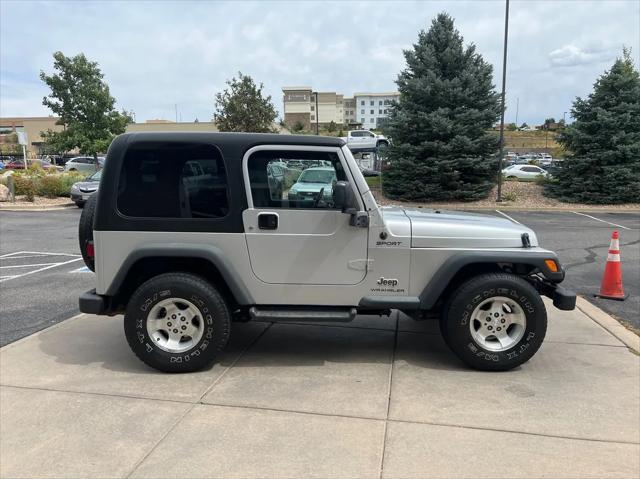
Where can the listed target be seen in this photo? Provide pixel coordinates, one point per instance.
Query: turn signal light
(552, 265)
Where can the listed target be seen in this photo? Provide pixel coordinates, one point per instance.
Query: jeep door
(296, 235)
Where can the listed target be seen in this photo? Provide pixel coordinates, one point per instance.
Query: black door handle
(268, 221)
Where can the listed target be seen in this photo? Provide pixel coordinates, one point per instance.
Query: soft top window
(173, 180)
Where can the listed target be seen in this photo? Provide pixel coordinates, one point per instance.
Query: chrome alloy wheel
(498, 323)
(175, 325)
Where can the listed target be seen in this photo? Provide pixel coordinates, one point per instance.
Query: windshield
(316, 176)
(96, 176)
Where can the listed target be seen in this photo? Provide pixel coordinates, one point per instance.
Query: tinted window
(173, 180)
(307, 179)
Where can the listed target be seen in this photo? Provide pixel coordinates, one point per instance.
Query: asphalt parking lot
(41, 271)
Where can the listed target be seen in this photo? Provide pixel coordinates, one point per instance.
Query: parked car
(275, 176)
(1, 165)
(312, 182)
(84, 164)
(181, 275)
(364, 139)
(19, 164)
(82, 190)
(524, 172)
(545, 159)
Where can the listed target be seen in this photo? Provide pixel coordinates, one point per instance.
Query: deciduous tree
(81, 98)
(242, 107)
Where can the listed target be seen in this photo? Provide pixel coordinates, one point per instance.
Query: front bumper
(563, 298)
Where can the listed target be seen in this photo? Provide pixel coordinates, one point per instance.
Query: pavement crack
(390, 386)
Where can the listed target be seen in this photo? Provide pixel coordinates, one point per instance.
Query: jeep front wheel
(494, 322)
(177, 322)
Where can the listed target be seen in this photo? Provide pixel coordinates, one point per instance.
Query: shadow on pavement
(102, 342)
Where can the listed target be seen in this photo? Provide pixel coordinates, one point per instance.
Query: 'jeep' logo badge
(387, 282)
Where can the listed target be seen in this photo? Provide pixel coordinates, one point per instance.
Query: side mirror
(343, 196)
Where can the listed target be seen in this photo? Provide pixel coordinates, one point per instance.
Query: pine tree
(442, 149)
(604, 141)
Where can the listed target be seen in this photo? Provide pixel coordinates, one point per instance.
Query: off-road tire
(216, 319)
(85, 229)
(456, 316)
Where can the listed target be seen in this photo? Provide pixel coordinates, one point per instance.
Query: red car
(19, 165)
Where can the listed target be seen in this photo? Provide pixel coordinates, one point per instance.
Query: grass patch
(374, 181)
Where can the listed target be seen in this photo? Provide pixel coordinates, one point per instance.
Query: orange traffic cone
(611, 287)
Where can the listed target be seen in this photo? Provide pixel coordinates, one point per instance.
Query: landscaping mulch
(516, 195)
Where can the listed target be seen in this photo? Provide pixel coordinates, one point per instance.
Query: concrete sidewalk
(378, 397)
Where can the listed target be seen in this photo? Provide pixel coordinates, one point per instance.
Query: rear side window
(173, 180)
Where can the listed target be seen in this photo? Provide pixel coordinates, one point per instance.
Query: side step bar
(303, 314)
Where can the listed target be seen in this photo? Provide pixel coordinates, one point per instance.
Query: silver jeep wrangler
(191, 231)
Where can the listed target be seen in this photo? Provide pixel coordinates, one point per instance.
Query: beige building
(33, 126)
(167, 125)
(368, 110)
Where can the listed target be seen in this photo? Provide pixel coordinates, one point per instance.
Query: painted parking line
(6, 271)
(602, 221)
(507, 216)
(84, 269)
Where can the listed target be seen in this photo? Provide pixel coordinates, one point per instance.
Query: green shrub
(510, 196)
(26, 186)
(52, 186)
(541, 180)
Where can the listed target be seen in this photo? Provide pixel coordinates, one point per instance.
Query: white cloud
(573, 55)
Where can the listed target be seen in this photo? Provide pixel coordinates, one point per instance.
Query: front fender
(443, 276)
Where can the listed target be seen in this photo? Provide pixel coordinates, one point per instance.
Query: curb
(38, 208)
(38, 333)
(631, 340)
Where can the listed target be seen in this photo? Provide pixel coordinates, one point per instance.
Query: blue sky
(155, 54)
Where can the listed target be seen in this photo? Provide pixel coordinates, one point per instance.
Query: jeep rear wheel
(177, 322)
(494, 322)
(85, 231)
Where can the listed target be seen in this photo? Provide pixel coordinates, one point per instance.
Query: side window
(173, 180)
(306, 181)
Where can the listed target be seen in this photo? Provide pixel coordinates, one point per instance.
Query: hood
(87, 186)
(311, 187)
(454, 229)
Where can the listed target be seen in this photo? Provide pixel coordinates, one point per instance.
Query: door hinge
(361, 264)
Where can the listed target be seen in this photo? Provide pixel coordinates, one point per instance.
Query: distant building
(368, 110)
(33, 126)
(373, 108)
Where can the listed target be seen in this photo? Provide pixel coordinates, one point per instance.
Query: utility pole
(504, 80)
(517, 108)
(564, 119)
(176, 106)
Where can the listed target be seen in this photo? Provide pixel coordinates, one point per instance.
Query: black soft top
(232, 147)
(234, 140)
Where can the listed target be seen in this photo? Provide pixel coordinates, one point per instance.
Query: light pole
(564, 119)
(504, 80)
(317, 114)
